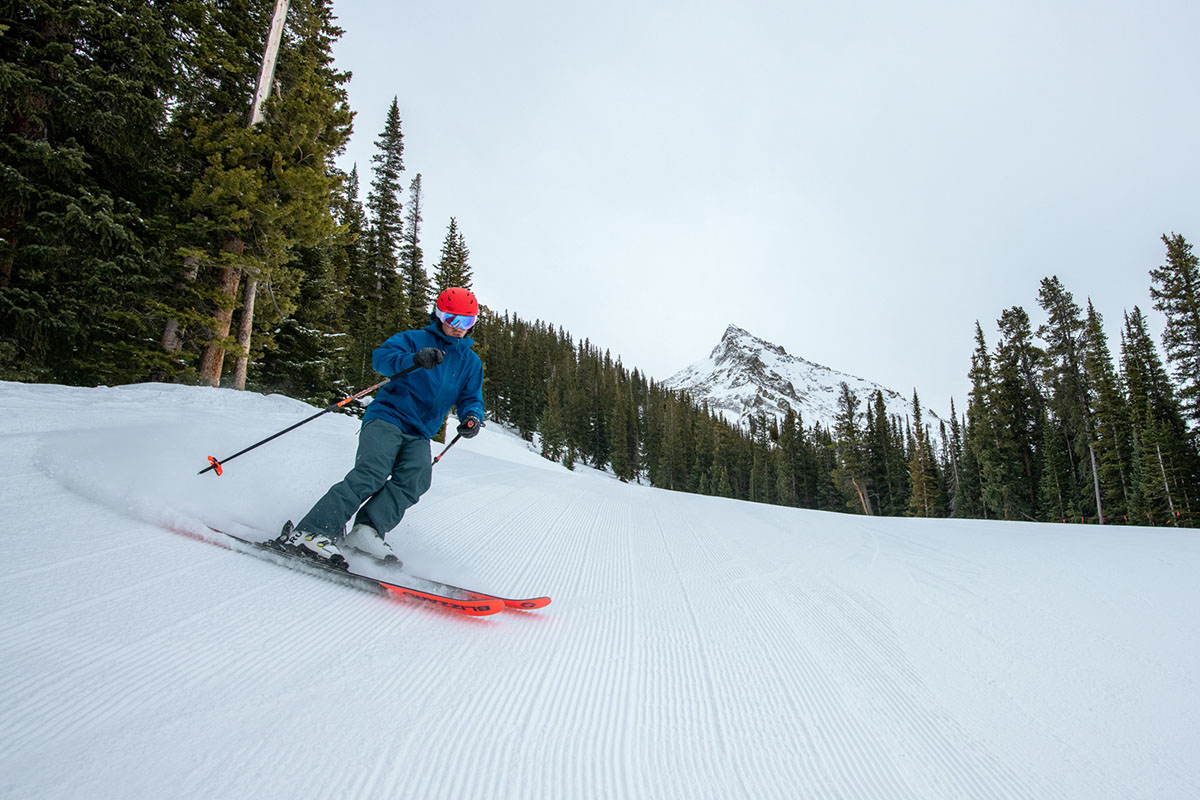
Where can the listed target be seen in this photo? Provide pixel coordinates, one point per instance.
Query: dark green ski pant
(391, 471)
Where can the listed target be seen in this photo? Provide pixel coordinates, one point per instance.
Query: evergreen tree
(882, 454)
(788, 454)
(822, 456)
(926, 499)
(761, 480)
(453, 267)
(622, 464)
(1176, 293)
(308, 123)
(968, 498)
(1057, 501)
(1016, 409)
(550, 426)
(660, 462)
(954, 474)
(1164, 460)
(850, 474)
(355, 283)
(251, 197)
(1069, 389)
(386, 299)
(412, 259)
(524, 393)
(579, 416)
(1112, 443)
(304, 356)
(223, 198)
(603, 398)
(719, 479)
(635, 401)
(983, 437)
(83, 188)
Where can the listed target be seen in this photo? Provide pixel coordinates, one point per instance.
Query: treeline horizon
(1055, 429)
(150, 232)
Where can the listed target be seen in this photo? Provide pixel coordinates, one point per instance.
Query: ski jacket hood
(418, 402)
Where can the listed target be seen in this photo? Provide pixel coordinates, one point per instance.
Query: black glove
(469, 427)
(428, 357)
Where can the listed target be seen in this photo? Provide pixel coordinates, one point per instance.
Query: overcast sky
(858, 181)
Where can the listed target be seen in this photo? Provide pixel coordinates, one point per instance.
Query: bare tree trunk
(244, 331)
(1096, 485)
(266, 73)
(266, 76)
(862, 497)
(214, 354)
(1166, 484)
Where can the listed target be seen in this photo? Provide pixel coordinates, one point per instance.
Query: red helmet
(456, 300)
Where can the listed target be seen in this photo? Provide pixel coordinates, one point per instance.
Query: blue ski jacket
(418, 402)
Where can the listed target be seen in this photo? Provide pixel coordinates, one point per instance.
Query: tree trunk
(1166, 483)
(862, 497)
(214, 354)
(266, 73)
(1096, 485)
(244, 330)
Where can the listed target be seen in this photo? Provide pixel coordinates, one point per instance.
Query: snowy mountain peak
(739, 344)
(745, 375)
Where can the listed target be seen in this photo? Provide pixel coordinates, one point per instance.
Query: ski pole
(215, 464)
(452, 441)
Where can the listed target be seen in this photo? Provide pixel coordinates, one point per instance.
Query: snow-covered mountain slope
(696, 647)
(745, 375)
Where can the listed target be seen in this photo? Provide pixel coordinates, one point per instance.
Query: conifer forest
(149, 231)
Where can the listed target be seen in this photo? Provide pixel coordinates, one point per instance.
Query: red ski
(471, 605)
(449, 589)
(526, 604)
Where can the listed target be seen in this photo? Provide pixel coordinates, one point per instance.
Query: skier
(393, 465)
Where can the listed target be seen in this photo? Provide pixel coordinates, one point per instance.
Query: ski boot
(366, 540)
(318, 547)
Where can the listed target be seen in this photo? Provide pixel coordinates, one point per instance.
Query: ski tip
(531, 604)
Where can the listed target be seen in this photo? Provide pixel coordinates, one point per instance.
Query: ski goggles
(460, 322)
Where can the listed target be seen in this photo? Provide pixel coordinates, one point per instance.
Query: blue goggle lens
(462, 322)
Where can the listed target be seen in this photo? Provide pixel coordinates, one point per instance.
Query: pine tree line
(584, 407)
(149, 232)
(1056, 429)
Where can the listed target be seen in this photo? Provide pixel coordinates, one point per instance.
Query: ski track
(967, 582)
(789, 654)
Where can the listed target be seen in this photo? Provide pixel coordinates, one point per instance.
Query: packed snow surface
(696, 647)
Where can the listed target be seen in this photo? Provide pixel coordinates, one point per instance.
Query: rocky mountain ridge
(745, 376)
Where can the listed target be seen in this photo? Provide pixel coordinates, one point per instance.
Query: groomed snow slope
(696, 647)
